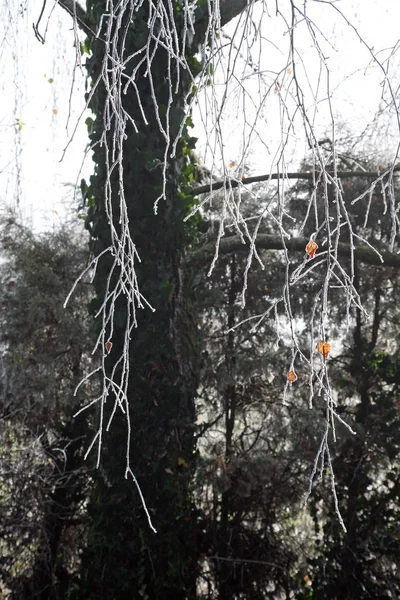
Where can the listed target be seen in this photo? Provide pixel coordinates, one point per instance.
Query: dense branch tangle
(237, 234)
(176, 31)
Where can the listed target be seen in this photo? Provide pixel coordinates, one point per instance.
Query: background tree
(44, 355)
(361, 563)
(247, 444)
(249, 474)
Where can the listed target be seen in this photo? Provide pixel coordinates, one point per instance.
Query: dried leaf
(324, 348)
(292, 376)
(108, 346)
(182, 462)
(311, 248)
(167, 470)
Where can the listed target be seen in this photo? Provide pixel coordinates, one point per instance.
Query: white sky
(355, 82)
(34, 112)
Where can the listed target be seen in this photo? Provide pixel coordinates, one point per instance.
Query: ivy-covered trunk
(124, 558)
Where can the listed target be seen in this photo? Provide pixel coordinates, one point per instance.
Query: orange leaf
(55, 111)
(108, 346)
(323, 348)
(231, 164)
(292, 376)
(311, 248)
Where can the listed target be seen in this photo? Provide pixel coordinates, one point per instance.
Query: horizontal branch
(231, 244)
(217, 185)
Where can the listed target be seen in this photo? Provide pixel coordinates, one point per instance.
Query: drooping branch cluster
(230, 84)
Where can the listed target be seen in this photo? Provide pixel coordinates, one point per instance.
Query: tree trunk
(225, 567)
(124, 557)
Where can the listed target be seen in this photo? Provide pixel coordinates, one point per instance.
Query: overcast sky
(354, 87)
(37, 80)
